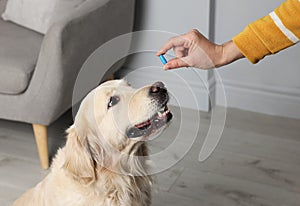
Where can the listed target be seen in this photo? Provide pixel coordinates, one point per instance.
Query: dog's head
(112, 123)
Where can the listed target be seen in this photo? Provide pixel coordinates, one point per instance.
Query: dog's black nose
(157, 87)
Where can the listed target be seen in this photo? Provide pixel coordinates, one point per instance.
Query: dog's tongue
(145, 128)
(143, 124)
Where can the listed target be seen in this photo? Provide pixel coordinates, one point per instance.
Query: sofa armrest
(65, 48)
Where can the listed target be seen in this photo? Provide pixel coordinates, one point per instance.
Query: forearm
(272, 33)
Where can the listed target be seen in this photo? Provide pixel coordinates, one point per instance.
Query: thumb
(177, 63)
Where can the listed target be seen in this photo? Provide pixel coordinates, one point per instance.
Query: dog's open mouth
(158, 120)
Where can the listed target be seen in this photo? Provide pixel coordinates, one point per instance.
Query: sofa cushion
(2, 5)
(19, 52)
(39, 15)
(33, 14)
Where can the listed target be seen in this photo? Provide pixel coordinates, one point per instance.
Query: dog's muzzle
(162, 116)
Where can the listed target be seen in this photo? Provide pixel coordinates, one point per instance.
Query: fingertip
(177, 63)
(160, 52)
(166, 67)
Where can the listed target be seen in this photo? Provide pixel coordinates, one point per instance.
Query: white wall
(271, 86)
(166, 18)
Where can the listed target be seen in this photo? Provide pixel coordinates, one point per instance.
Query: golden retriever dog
(104, 161)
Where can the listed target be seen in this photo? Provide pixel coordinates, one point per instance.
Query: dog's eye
(113, 101)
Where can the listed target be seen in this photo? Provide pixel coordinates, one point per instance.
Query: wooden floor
(256, 163)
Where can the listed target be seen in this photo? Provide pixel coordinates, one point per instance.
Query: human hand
(194, 50)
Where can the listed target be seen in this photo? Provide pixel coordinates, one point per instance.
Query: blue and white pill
(163, 59)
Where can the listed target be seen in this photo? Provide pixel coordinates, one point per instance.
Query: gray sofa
(37, 73)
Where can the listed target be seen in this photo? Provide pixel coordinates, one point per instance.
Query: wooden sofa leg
(40, 134)
(110, 77)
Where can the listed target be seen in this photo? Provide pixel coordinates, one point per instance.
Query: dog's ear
(79, 161)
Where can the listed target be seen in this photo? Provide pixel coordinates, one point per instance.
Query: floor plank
(25, 177)
(260, 145)
(8, 194)
(224, 190)
(255, 163)
(246, 167)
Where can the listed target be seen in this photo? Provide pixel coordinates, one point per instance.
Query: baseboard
(280, 101)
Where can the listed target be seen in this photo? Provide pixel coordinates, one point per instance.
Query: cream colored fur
(99, 165)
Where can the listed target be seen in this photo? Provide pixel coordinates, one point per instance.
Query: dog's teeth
(159, 114)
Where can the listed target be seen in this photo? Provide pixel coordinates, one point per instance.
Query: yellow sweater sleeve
(272, 33)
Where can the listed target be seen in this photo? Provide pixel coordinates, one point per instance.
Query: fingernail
(160, 52)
